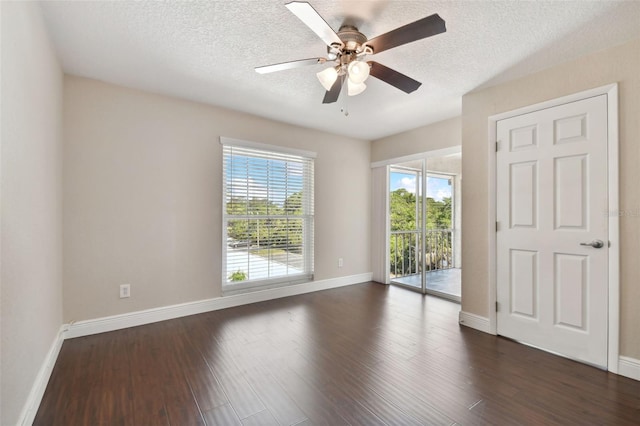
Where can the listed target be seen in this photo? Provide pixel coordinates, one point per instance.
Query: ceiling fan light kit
(356, 72)
(347, 49)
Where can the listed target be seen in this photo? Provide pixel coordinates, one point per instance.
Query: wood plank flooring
(360, 355)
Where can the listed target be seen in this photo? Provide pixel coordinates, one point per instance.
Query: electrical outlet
(125, 291)
(340, 262)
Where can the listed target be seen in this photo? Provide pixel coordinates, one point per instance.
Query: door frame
(422, 175)
(611, 91)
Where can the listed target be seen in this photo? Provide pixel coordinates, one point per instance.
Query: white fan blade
(307, 14)
(289, 65)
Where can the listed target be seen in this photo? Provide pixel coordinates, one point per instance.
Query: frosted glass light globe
(355, 88)
(327, 77)
(358, 71)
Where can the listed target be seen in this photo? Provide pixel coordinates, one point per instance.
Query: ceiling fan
(347, 48)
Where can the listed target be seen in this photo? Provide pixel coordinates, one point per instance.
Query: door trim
(611, 91)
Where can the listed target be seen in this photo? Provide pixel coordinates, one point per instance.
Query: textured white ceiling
(206, 51)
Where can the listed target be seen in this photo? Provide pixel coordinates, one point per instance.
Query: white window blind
(267, 217)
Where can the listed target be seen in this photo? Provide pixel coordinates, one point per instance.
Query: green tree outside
(404, 216)
(283, 233)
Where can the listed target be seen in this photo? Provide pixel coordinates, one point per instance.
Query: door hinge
(497, 226)
(497, 145)
(497, 306)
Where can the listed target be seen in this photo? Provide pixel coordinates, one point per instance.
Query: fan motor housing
(351, 37)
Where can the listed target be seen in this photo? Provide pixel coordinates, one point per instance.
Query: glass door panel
(406, 213)
(442, 239)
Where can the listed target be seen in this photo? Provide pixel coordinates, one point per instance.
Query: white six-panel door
(552, 278)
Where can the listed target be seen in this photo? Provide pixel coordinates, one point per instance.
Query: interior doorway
(555, 287)
(552, 248)
(424, 225)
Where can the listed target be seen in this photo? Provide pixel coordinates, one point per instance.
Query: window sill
(229, 289)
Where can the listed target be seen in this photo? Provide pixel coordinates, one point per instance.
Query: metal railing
(405, 246)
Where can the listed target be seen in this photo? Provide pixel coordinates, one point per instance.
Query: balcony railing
(405, 246)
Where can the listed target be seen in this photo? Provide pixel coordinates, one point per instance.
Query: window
(267, 216)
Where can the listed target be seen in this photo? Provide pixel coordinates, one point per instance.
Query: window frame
(309, 218)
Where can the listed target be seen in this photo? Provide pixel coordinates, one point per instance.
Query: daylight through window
(268, 216)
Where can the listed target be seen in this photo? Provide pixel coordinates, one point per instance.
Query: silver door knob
(594, 244)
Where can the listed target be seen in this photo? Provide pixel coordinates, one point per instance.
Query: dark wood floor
(365, 354)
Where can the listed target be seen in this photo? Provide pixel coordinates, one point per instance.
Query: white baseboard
(30, 409)
(474, 321)
(148, 316)
(629, 367)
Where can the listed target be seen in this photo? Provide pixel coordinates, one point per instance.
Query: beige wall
(620, 64)
(142, 194)
(31, 212)
(443, 134)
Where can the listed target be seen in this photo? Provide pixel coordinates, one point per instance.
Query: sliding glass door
(424, 223)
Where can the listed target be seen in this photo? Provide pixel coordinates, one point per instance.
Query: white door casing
(552, 195)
